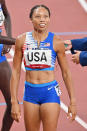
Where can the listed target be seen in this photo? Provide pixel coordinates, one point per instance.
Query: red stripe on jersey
(37, 66)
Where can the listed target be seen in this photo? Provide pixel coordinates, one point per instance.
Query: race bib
(38, 58)
(58, 91)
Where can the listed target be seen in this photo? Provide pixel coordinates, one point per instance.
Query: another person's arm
(7, 24)
(7, 21)
(78, 44)
(59, 47)
(14, 83)
(7, 40)
(80, 57)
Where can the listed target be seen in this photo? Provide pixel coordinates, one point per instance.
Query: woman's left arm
(66, 74)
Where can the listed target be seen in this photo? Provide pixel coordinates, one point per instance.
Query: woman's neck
(40, 35)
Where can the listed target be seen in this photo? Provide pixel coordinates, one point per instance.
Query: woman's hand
(15, 112)
(6, 49)
(71, 111)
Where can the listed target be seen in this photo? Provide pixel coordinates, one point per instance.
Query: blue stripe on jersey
(45, 69)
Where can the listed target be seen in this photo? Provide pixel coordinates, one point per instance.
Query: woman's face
(40, 19)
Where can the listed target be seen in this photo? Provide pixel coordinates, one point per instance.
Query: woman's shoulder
(57, 39)
(21, 36)
(20, 40)
(58, 43)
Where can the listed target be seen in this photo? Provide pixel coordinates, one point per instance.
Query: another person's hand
(75, 57)
(68, 45)
(15, 112)
(71, 112)
(6, 49)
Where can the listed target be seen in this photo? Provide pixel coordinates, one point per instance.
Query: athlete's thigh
(5, 72)
(31, 116)
(49, 115)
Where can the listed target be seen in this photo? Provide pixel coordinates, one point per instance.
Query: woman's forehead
(40, 10)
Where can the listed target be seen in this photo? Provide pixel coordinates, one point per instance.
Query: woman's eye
(37, 16)
(46, 16)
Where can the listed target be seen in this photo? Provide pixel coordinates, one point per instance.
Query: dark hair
(37, 6)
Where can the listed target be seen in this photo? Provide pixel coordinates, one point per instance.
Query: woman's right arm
(14, 83)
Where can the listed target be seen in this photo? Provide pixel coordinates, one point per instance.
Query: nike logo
(50, 88)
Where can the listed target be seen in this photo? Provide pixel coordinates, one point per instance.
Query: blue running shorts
(42, 93)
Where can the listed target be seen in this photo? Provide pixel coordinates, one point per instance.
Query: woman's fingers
(71, 112)
(16, 116)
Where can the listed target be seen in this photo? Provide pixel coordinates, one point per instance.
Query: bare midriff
(39, 77)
